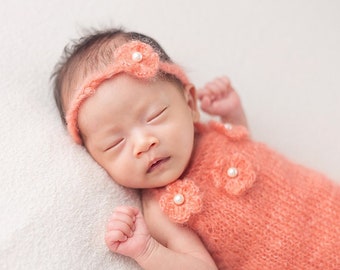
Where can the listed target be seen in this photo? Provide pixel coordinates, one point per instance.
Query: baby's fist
(219, 98)
(126, 232)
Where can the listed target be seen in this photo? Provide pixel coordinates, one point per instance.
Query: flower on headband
(137, 58)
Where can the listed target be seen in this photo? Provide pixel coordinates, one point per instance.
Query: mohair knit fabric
(253, 208)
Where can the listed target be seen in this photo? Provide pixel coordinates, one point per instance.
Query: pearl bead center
(228, 126)
(232, 172)
(137, 57)
(178, 199)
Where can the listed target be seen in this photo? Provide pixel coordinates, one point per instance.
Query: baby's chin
(162, 182)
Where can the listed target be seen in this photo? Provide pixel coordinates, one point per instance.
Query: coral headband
(134, 58)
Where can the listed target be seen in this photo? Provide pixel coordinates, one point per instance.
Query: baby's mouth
(156, 163)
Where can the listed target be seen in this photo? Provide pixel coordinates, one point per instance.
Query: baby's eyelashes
(114, 144)
(156, 115)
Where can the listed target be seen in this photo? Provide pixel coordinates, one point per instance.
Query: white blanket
(54, 200)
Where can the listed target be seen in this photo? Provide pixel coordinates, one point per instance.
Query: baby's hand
(218, 97)
(126, 232)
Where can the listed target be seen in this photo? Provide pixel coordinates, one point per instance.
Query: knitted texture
(254, 209)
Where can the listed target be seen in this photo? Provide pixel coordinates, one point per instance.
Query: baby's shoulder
(227, 130)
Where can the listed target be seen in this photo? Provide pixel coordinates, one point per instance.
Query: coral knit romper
(252, 208)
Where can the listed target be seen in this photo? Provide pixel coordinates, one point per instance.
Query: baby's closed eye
(156, 115)
(115, 143)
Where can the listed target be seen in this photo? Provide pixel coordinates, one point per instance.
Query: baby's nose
(143, 144)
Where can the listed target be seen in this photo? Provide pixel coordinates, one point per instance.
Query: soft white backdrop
(282, 56)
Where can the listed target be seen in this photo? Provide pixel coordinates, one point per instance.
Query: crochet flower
(181, 200)
(235, 174)
(233, 132)
(136, 58)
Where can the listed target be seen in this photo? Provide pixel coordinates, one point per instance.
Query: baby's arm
(218, 97)
(170, 247)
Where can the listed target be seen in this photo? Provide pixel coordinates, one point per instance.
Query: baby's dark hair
(91, 53)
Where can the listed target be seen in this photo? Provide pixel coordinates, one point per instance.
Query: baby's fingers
(114, 238)
(123, 225)
(222, 85)
(120, 226)
(123, 218)
(123, 215)
(215, 89)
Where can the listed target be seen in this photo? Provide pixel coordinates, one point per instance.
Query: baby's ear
(191, 99)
